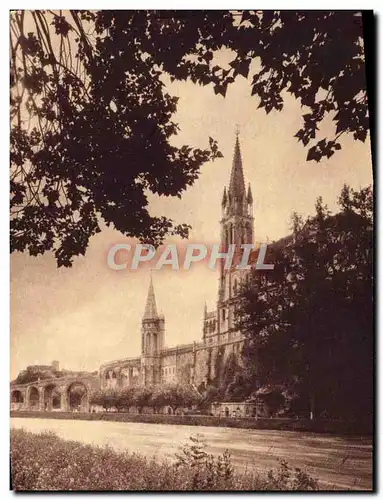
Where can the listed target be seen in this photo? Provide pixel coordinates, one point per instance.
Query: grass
(45, 462)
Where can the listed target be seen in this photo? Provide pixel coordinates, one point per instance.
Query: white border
(4, 197)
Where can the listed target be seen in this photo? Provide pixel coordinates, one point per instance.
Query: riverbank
(44, 462)
(301, 425)
(339, 462)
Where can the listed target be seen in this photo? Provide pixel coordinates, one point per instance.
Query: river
(340, 462)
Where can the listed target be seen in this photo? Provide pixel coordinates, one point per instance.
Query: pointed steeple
(224, 197)
(150, 308)
(237, 181)
(249, 196)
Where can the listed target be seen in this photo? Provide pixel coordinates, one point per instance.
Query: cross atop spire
(237, 181)
(151, 307)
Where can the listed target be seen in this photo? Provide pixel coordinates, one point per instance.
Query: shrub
(44, 462)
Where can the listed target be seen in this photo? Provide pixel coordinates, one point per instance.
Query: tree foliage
(91, 128)
(309, 323)
(92, 121)
(76, 394)
(317, 57)
(155, 397)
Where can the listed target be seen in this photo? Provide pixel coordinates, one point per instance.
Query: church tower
(236, 228)
(152, 339)
(237, 208)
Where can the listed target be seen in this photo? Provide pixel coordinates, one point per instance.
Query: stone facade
(53, 394)
(194, 363)
(236, 409)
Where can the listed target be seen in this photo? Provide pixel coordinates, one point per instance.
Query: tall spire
(150, 308)
(237, 181)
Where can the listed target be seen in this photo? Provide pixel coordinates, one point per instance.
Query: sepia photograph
(192, 250)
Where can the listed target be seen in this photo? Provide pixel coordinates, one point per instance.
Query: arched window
(235, 287)
(223, 314)
(107, 375)
(114, 375)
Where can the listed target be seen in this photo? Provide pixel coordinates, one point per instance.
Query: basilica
(195, 363)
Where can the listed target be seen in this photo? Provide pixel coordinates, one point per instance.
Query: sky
(89, 314)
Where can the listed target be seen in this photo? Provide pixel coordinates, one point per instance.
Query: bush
(44, 462)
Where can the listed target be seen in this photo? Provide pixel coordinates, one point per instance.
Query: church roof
(237, 180)
(151, 307)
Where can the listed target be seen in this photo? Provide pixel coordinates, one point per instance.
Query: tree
(76, 395)
(142, 397)
(231, 368)
(92, 120)
(26, 376)
(96, 398)
(158, 398)
(178, 395)
(91, 125)
(238, 389)
(272, 398)
(107, 398)
(317, 57)
(309, 323)
(210, 396)
(127, 397)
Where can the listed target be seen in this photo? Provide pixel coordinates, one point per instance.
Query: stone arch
(52, 397)
(113, 379)
(77, 394)
(33, 399)
(17, 399)
(17, 396)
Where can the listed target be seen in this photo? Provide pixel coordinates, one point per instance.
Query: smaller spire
(224, 197)
(205, 310)
(237, 183)
(249, 196)
(151, 307)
